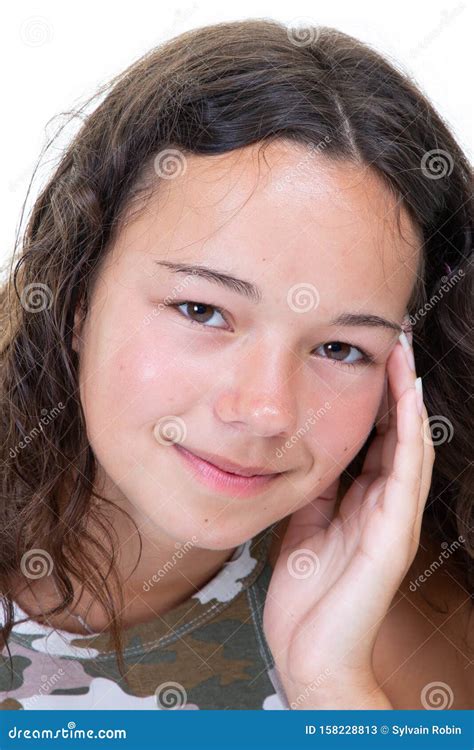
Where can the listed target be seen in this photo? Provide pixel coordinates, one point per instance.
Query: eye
(198, 309)
(339, 348)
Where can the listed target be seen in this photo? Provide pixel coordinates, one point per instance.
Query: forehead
(288, 213)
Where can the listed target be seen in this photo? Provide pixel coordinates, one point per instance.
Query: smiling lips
(228, 482)
(229, 466)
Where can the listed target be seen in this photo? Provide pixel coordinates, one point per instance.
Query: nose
(262, 396)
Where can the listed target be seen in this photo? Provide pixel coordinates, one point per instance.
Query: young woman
(222, 483)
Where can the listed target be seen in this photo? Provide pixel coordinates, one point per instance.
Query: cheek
(346, 425)
(130, 385)
(125, 389)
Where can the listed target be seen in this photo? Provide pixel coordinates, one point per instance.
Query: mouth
(225, 482)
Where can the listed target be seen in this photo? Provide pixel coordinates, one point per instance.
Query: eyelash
(365, 359)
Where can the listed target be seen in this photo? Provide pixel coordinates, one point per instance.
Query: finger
(429, 456)
(391, 434)
(373, 458)
(381, 418)
(400, 377)
(411, 514)
(379, 459)
(402, 490)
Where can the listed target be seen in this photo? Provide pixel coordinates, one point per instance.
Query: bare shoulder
(424, 653)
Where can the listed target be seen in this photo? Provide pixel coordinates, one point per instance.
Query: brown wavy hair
(209, 91)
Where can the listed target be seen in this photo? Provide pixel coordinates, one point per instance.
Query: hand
(321, 623)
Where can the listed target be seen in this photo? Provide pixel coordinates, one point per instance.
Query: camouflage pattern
(209, 652)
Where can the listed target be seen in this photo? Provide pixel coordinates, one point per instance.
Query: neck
(152, 584)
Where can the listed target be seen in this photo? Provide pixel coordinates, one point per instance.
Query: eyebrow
(254, 294)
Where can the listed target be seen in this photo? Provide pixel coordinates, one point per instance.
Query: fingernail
(408, 350)
(407, 328)
(419, 395)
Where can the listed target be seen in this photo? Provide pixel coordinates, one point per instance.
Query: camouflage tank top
(209, 652)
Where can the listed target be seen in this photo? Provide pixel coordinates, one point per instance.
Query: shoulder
(424, 653)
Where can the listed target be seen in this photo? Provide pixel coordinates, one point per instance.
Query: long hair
(209, 91)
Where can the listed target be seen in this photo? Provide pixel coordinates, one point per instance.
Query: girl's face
(255, 382)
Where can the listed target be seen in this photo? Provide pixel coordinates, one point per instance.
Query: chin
(208, 534)
(226, 535)
(202, 522)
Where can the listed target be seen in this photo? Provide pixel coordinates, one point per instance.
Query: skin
(377, 529)
(244, 384)
(227, 212)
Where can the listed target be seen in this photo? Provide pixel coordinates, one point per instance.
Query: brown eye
(199, 310)
(198, 314)
(337, 351)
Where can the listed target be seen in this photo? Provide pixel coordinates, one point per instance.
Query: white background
(55, 54)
